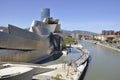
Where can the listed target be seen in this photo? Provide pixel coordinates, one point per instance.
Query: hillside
(5, 29)
(67, 33)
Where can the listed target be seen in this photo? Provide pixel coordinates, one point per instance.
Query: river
(104, 63)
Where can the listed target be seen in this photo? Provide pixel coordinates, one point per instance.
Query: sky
(88, 15)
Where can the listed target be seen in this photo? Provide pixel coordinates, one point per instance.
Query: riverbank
(104, 62)
(68, 67)
(67, 70)
(107, 46)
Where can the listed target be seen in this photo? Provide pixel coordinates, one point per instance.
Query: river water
(73, 55)
(104, 63)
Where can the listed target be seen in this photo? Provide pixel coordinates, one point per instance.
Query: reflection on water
(105, 63)
(74, 54)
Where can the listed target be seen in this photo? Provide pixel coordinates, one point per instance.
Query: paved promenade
(66, 71)
(70, 69)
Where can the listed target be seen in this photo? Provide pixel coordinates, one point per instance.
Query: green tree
(69, 40)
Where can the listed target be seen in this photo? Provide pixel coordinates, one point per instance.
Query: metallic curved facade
(30, 46)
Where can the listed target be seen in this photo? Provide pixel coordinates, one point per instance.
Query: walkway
(71, 70)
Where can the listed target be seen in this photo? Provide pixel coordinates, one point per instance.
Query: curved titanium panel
(16, 42)
(36, 30)
(29, 56)
(51, 27)
(22, 33)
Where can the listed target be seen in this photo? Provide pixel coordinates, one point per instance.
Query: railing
(82, 58)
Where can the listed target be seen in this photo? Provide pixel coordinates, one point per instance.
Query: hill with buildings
(67, 32)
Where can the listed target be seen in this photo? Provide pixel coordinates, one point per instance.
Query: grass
(69, 40)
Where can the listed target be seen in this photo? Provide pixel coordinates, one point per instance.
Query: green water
(104, 64)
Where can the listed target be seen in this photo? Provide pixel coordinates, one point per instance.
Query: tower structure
(45, 13)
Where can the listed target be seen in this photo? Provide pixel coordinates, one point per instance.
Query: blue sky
(89, 15)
